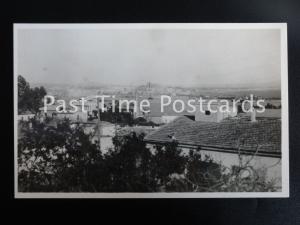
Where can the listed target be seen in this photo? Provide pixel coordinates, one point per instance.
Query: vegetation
(62, 159)
(271, 106)
(29, 99)
(121, 118)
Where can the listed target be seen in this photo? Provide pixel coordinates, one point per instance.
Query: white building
(54, 111)
(225, 141)
(214, 112)
(25, 116)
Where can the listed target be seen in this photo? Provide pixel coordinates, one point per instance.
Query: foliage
(140, 121)
(57, 158)
(62, 159)
(129, 165)
(29, 99)
(271, 106)
(122, 118)
(125, 118)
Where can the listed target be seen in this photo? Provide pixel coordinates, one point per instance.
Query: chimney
(253, 115)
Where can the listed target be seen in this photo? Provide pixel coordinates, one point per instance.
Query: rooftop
(263, 136)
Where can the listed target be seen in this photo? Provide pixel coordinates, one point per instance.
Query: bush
(63, 159)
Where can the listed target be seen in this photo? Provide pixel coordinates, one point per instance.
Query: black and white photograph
(151, 110)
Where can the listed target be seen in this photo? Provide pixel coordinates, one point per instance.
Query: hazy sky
(171, 57)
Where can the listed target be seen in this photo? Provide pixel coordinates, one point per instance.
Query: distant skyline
(172, 57)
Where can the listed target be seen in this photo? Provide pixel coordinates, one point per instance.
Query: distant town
(111, 122)
(221, 136)
(186, 109)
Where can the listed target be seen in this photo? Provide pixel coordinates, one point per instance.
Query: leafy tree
(168, 160)
(29, 99)
(23, 92)
(125, 118)
(23, 86)
(57, 158)
(62, 158)
(129, 165)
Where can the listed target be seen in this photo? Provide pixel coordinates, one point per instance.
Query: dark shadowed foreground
(62, 159)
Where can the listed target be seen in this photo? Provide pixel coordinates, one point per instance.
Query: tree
(37, 95)
(57, 159)
(63, 158)
(129, 165)
(168, 160)
(29, 99)
(23, 93)
(23, 86)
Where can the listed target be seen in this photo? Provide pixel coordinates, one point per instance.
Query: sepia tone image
(151, 110)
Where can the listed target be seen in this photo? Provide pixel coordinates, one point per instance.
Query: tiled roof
(228, 134)
(138, 130)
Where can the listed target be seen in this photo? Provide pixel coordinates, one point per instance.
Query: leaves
(29, 99)
(63, 159)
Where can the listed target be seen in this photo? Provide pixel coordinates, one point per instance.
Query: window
(207, 112)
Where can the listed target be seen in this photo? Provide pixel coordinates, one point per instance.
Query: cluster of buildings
(222, 136)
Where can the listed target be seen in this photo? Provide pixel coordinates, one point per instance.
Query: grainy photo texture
(151, 110)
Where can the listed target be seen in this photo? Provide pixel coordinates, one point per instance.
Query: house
(158, 117)
(213, 112)
(25, 116)
(52, 112)
(227, 140)
(209, 113)
(107, 132)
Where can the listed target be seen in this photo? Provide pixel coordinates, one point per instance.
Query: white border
(284, 98)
